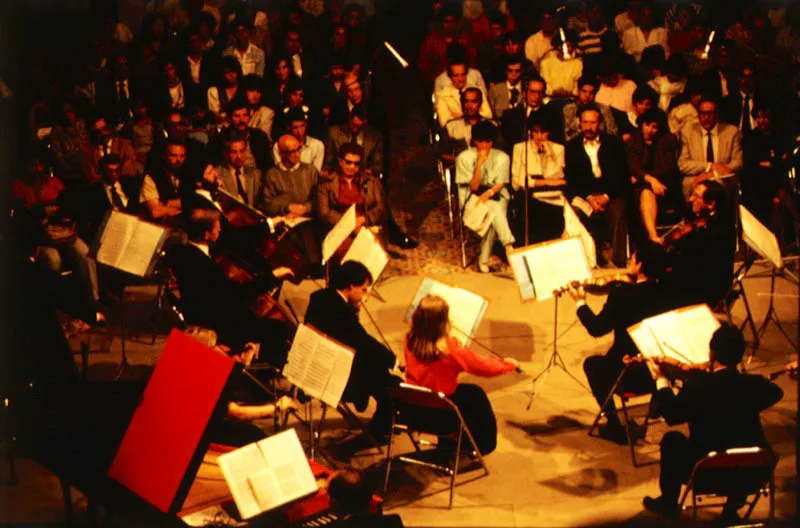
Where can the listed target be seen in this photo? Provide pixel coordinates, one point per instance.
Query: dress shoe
(659, 506)
(613, 433)
(483, 268)
(404, 242)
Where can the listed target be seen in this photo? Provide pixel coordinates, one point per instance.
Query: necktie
(709, 149)
(746, 115)
(240, 185)
(514, 96)
(116, 198)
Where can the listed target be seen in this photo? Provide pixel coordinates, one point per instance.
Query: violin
(599, 285)
(683, 229)
(790, 369)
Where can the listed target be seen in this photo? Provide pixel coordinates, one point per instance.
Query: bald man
(290, 190)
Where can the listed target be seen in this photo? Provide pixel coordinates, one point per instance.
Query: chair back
(738, 471)
(421, 409)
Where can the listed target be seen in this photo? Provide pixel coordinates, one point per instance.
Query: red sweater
(441, 375)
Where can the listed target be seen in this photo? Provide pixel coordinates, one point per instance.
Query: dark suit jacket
(209, 298)
(514, 122)
(731, 107)
(107, 98)
(329, 313)
(373, 147)
(665, 160)
(89, 204)
(627, 304)
(722, 408)
(615, 179)
(259, 146)
(197, 93)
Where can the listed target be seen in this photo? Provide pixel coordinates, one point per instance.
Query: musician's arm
(478, 365)
(596, 324)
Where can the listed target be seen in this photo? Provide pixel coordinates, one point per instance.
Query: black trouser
(609, 227)
(603, 371)
(545, 221)
(478, 414)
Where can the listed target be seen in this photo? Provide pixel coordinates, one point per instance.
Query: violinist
(210, 298)
(701, 252)
(722, 409)
(627, 304)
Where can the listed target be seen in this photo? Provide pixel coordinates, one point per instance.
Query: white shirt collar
(283, 167)
(592, 142)
(202, 247)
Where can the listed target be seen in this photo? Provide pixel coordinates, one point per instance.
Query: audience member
(312, 150)
(508, 94)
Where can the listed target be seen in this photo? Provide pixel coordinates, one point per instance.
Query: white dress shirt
(122, 195)
(592, 148)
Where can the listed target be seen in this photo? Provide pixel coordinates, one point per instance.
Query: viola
(599, 285)
(682, 230)
(790, 369)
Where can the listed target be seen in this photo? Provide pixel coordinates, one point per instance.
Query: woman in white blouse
(543, 163)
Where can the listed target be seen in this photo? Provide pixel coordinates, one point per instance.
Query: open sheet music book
(319, 365)
(574, 227)
(291, 223)
(367, 250)
(268, 474)
(338, 233)
(759, 238)
(466, 308)
(129, 244)
(683, 334)
(541, 268)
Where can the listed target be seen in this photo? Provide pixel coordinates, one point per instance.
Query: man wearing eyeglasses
(709, 149)
(514, 122)
(349, 186)
(507, 94)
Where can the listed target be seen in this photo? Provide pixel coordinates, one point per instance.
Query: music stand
(555, 359)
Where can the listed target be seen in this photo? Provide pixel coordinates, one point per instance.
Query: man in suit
(508, 94)
(356, 130)
(709, 149)
(448, 99)
(257, 153)
(116, 91)
(334, 312)
(209, 298)
(737, 107)
(196, 68)
(597, 186)
(236, 178)
(587, 89)
(722, 408)
(88, 205)
(102, 143)
(626, 305)
(514, 122)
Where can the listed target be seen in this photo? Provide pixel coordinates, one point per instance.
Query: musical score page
(117, 232)
(338, 233)
(574, 227)
(516, 259)
(683, 334)
(368, 251)
(760, 238)
(319, 365)
(551, 265)
(466, 308)
(270, 473)
(143, 244)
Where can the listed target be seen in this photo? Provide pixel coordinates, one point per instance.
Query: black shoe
(659, 506)
(728, 518)
(404, 242)
(613, 433)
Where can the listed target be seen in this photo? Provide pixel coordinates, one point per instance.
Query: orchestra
(247, 207)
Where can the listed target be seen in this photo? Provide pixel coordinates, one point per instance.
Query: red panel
(169, 423)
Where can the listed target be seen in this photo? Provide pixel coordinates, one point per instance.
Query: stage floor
(546, 470)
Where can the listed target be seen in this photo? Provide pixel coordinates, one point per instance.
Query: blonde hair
(430, 324)
(204, 335)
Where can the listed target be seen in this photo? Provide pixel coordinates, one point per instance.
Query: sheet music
(291, 223)
(319, 365)
(118, 230)
(466, 308)
(368, 251)
(519, 267)
(553, 265)
(143, 244)
(338, 233)
(760, 238)
(682, 334)
(574, 227)
(268, 474)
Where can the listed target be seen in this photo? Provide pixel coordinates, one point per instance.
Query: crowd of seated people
(627, 112)
(645, 100)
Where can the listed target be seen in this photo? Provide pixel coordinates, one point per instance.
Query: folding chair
(414, 409)
(625, 397)
(741, 472)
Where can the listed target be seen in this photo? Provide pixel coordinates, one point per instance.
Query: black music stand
(555, 358)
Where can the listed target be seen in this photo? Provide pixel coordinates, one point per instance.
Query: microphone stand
(525, 154)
